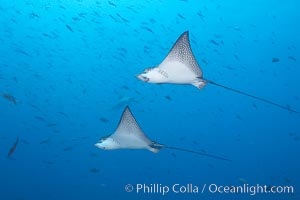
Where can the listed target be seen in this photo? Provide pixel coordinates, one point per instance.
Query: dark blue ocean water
(67, 70)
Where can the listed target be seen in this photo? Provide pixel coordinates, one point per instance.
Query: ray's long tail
(252, 96)
(197, 152)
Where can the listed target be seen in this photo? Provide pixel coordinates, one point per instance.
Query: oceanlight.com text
(250, 189)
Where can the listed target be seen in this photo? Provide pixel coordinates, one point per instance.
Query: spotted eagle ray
(180, 67)
(129, 135)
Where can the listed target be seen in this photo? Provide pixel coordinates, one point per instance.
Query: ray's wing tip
(126, 111)
(185, 33)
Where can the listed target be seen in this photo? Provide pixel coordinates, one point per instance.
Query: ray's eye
(146, 79)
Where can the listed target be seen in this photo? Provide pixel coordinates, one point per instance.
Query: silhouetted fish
(168, 97)
(112, 4)
(9, 98)
(104, 120)
(292, 58)
(69, 27)
(94, 170)
(13, 148)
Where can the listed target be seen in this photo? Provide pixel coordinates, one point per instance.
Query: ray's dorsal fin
(129, 126)
(182, 52)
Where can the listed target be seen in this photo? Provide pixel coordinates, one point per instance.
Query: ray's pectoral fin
(181, 56)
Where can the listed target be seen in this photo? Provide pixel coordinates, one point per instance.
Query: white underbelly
(132, 142)
(179, 73)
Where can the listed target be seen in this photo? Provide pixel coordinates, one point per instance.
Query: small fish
(112, 4)
(51, 125)
(238, 116)
(214, 42)
(94, 170)
(104, 120)
(13, 148)
(47, 35)
(125, 87)
(236, 57)
(181, 16)
(292, 134)
(62, 113)
(292, 58)
(45, 141)
(275, 60)
(24, 53)
(40, 118)
(168, 97)
(152, 20)
(34, 15)
(229, 67)
(147, 29)
(204, 61)
(82, 14)
(62, 7)
(9, 98)
(75, 18)
(93, 154)
(67, 148)
(199, 13)
(122, 18)
(69, 27)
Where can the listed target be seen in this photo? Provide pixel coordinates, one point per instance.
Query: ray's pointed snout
(138, 76)
(97, 145)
